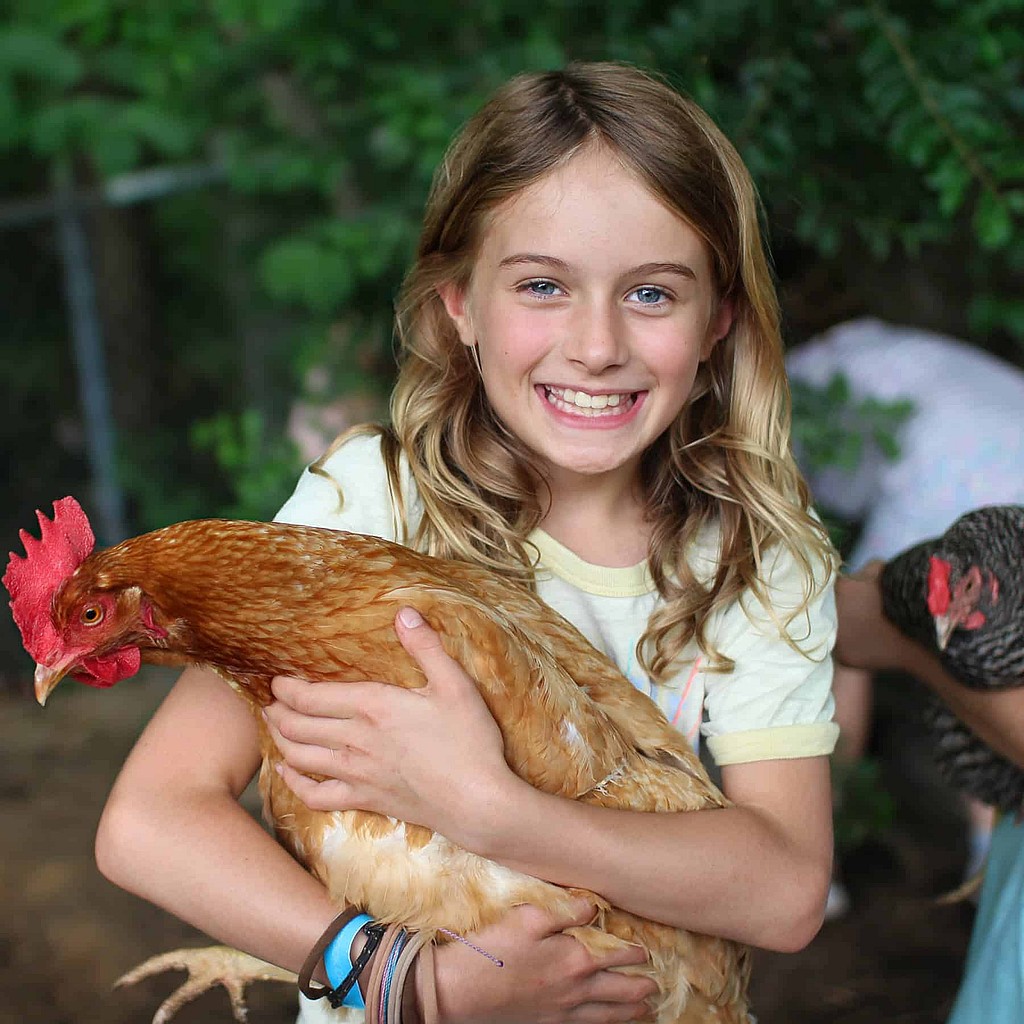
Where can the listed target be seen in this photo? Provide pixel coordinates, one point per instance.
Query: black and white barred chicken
(962, 596)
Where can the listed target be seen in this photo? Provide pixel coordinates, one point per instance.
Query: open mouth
(582, 403)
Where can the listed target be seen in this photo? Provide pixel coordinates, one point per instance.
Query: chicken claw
(207, 967)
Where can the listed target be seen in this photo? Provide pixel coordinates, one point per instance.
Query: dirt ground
(66, 934)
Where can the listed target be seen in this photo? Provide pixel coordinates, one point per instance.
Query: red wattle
(111, 668)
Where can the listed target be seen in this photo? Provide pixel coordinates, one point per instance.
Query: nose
(597, 338)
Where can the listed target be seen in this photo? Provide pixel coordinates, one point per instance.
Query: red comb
(938, 585)
(65, 542)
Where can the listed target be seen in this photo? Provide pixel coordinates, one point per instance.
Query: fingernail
(410, 617)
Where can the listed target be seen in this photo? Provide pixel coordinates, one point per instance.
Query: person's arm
(174, 833)
(868, 640)
(757, 872)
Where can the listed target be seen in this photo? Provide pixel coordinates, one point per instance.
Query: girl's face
(592, 304)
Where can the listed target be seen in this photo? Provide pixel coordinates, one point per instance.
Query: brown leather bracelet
(316, 954)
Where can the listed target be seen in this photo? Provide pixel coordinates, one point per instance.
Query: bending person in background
(961, 448)
(992, 988)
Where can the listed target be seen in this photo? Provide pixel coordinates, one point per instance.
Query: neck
(604, 525)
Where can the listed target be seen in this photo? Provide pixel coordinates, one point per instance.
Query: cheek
(675, 358)
(512, 341)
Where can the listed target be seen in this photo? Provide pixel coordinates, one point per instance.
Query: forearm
(174, 833)
(203, 858)
(732, 872)
(995, 716)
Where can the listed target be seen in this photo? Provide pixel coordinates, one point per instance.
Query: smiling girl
(591, 400)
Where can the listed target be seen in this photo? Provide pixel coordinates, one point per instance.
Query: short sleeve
(777, 700)
(350, 492)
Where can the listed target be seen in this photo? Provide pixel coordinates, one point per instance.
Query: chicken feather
(255, 600)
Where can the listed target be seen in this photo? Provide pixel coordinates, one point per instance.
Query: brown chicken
(254, 600)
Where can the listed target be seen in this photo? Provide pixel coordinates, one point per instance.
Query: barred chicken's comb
(65, 542)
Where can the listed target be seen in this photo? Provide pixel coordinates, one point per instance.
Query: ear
(454, 299)
(721, 324)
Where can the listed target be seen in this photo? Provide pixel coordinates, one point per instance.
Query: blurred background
(206, 207)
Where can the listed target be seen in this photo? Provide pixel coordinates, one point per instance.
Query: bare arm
(757, 872)
(868, 640)
(174, 833)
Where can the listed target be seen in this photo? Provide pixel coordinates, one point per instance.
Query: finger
(542, 921)
(328, 795)
(609, 1013)
(335, 762)
(342, 754)
(615, 987)
(424, 644)
(581, 912)
(627, 955)
(326, 699)
(288, 724)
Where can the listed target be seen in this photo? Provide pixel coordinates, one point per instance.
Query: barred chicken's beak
(48, 676)
(944, 626)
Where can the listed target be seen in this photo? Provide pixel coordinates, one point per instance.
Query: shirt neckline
(602, 580)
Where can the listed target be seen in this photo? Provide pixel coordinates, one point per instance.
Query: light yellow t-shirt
(775, 703)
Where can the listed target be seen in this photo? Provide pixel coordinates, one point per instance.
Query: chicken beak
(48, 676)
(944, 626)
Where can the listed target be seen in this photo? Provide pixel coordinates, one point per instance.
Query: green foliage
(864, 807)
(871, 130)
(261, 469)
(831, 426)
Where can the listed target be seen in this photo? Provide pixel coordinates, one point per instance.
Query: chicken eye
(92, 615)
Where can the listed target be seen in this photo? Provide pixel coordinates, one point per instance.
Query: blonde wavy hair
(726, 460)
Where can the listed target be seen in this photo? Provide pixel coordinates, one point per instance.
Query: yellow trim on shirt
(810, 739)
(602, 580)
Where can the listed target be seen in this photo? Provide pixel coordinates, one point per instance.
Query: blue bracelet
(338, 959)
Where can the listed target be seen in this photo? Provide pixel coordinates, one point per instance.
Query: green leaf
(308, 272)
(992, 221)
(28, 52)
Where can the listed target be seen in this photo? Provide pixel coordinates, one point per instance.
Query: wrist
(444, 986)
(332, 958)
(495, 825)
(343, 956)
(412, 999)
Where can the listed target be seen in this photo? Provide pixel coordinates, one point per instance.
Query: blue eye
(542, 288)
(648, 295)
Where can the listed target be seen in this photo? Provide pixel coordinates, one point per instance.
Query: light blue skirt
(992, 990)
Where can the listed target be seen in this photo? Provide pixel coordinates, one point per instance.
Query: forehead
(595, 211)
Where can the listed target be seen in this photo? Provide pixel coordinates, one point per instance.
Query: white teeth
(583, 400)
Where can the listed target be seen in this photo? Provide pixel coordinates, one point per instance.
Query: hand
(547, 977)
(432, 756)
(866, 638)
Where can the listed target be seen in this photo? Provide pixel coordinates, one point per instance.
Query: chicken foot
(207, 967)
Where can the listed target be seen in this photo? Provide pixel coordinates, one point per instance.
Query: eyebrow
(641, 271)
